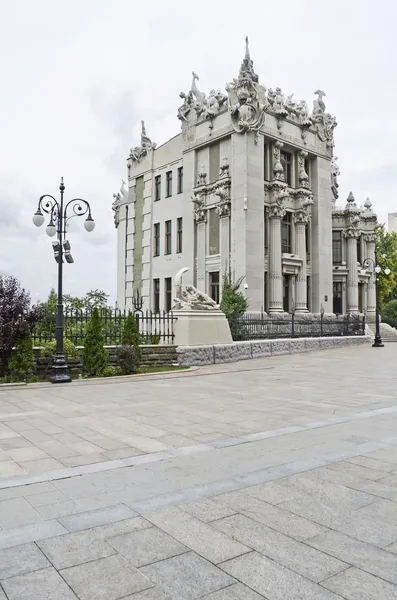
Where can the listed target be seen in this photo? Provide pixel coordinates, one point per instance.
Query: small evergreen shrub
(234, 303)
(69, 349)
(95, 356)
(390, 310)
(127, 359)
(131, 335)
(22, 365)
(111, 371)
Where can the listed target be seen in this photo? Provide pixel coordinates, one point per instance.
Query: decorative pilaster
(370, 239)
(276, 213)
(301, 218)
(352, 233)
(200, 213)
(302, 175)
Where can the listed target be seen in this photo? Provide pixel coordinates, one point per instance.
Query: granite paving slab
(46, 583)
(75, 548)
(21, 560)
(354, 584)
(146, 546)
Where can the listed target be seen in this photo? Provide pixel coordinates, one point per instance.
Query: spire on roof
(247, 66)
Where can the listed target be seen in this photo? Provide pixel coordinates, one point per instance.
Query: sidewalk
(276, 481)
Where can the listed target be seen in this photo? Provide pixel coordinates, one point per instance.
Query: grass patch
(143, 370)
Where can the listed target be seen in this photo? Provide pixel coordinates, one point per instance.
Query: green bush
(95, 356)
(22, 365)
(127, 359)
(234, 303)
(131, 335)
(69, 349)
(111, 371)
(390, 310)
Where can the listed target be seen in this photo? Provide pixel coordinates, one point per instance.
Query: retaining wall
(222, 353)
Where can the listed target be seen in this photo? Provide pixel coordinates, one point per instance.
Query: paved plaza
(274, 478)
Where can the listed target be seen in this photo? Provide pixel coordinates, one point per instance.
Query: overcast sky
(78, 76)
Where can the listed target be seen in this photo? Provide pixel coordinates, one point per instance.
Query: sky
(78, 76)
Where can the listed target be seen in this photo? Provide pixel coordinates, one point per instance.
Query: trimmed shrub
(111, 371)
(131, 335)
(95, 356)
(69, 349)
(234, 303)
(127, 359)
(22, 365)
(390, 310)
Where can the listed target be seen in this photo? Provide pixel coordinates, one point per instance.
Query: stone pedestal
(201, 327)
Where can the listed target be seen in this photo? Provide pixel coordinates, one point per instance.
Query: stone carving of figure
(188, 102)
(199, 96)
(278, 104)
(335, 172)
(277, 166)
(146, 145)
(318, 106)
(271, 96)
(303, 113)
(191, 298)
(119, 199)
(325, 123)
(291, 106)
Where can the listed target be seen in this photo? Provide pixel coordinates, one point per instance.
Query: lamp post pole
(59, 218)
(376, 269)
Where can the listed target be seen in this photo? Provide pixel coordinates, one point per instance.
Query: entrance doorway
(337, 298)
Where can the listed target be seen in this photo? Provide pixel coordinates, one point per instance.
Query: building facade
(248, 188)
(392, 222)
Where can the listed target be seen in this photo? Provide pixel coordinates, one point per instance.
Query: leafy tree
(22, 364)
(128, 359)
(16, 314)
(233, 302)
(131, 335)
(69, 349)
(96, 298)
(95, 356)
(386, 247)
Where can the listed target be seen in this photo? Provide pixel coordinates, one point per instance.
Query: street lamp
(59, 218)
(377, 270)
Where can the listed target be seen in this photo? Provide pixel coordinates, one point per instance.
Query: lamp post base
(60, 370)
(378, 342)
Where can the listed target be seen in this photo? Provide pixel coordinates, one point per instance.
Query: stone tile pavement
(274, 480)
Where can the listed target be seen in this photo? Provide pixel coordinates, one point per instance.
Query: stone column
(201, 243)
(301, 218)
(224, 243)
(351, 234)
(370, 239)
(276, 213)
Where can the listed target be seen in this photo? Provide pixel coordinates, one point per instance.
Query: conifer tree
(131, 335)
(95, 356)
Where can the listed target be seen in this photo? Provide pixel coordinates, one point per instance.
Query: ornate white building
(248, 187)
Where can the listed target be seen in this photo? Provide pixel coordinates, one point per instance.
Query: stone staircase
(387, 333)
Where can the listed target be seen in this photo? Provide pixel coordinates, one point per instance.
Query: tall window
(168, 293)
(213, 232)
(286, 224)
(179, 223)
(307, 168)
(157, 188)
(286, 161)
(156, 249)
(336, 247)
(180, 180)
(337, 298)
(215, 161)
(307, 238)
(265, 162)
(168, 241)
(156, 295)
(168, 181)
(359, 250)
(214, 286)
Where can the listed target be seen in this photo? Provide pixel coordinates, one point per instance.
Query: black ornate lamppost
(60, 215)
(376, 271)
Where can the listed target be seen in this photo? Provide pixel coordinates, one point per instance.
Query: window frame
(156, 295)
(168, 238)
(168, 184)
(214, 286)
(287, 159)
(286, 225)
(156, 238)
(179, 235)
(339, 242)
(157, 188)
(167, 294)
(180, 180)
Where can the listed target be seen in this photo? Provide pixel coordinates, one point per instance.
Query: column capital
(370, 238)
(276, 211)
(301, 217)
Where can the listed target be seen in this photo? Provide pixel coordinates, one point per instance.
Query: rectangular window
(168, 180)
(157, 188)
(337, 307)
(215, 161)
(168, 293)
(214, 286)
(286, 161)
(307, 168)
(156, 295)
(265, 163)
(336, 247)
(179, 234)
(359, 250)
(180, 180)
(213, 232)
(156, 249)
(307, 238)
(286, 233)
(168, 241)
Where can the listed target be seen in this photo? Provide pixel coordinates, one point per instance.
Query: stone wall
(222, 353)
(152, 356)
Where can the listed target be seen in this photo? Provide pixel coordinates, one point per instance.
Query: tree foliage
(131, 335)
(22, 364)
(128, 359)
(233, 302)
(95, 356)
(386, 247)
(16, 317)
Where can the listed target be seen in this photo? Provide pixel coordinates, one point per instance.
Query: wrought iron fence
(258, 326)
(155, 328)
